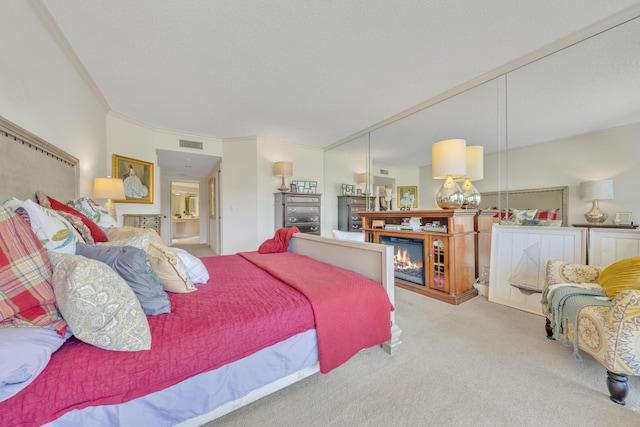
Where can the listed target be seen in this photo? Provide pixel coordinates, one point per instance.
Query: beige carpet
(477, 364)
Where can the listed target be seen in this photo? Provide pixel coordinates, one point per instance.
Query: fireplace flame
(402, 260)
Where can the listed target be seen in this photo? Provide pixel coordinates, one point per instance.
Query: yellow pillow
(621, 276)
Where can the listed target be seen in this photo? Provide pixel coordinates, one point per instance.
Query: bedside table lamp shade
(365, 178)
(110, 189)
(283, 169)
(449, 163)
(594, 191)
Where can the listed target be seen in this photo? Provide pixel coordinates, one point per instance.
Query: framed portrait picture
(622, 218)
(137, 176)
(407, 196)
(212, 198)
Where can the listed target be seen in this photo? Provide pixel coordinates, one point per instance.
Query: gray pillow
(131, 264)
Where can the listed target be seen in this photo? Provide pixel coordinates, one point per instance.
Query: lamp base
(283, 187)
(595, 215)
(450, 195)
(111, 208)
(470, 194)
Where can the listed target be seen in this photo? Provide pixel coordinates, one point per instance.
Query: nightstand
(151, 221)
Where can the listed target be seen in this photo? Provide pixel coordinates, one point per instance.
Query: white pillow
(24, 353)
(349, 235)
(54, 232)
(98, 305)
(197, 271)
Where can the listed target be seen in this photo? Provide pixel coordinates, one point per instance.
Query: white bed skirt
(212, 394)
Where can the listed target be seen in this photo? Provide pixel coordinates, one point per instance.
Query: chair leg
(547, 327)
(618, 387)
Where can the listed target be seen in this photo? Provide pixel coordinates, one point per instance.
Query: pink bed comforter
(351, 312)
(242, 309)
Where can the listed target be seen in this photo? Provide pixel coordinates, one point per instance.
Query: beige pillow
(98, 305)
(126, 232)
(169, 268)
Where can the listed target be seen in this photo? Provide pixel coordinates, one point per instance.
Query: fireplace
(408, 258)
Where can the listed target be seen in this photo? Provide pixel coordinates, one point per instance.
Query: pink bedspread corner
(351, 312)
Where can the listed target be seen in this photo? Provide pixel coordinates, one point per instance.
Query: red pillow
(548, 215)
(95, 230)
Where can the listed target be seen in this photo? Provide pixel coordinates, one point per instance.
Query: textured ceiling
(309, 72)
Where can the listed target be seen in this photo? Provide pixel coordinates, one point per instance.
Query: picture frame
(293, 187)
(407, 196)
(622, 218)
(137, 176)
(212, 198)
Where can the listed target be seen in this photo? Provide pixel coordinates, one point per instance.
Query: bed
(532, 206)
(214, 351)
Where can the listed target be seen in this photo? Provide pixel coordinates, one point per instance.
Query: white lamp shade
(364, 178)
(108, 188)
(449, 158)
(596, 190)
(475, 162)
(283, 169)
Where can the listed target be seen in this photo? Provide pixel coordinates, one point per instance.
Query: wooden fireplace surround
(453, 258)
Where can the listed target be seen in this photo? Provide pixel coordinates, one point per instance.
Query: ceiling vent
(191, 144)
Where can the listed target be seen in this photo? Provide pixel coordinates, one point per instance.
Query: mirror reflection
(530, 121)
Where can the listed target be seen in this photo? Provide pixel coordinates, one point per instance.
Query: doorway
(185, 213)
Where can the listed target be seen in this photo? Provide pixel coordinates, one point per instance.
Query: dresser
(299, 209)
(348, 209)
(151, 221)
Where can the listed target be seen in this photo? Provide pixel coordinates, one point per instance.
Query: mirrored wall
(582, 89)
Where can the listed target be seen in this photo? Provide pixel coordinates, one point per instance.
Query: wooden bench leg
(547, 327)
(618, 387)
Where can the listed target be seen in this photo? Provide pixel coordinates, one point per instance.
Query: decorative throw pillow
(94, 212)
(164, 262)
(566, 272)
(54, 232)
(26, 293)
(98, 305)
(520, 215)
(621, 276)
(170, 269)
(90, 231)
(127, 232)
(198, 273)
(131, 264)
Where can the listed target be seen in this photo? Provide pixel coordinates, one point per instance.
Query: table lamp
(283, 169)
(449, 163)
(594, 191)
(475, 172)
(365, 178)
(110, 189)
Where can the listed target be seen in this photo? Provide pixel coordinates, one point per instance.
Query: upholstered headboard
(548, 198)
(28, 164)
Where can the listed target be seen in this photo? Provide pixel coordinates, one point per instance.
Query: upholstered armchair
(604, 318)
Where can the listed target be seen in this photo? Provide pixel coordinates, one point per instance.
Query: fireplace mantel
(451, 271)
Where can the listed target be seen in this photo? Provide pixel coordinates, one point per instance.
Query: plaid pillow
(26, 292)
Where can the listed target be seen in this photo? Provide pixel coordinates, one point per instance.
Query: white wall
(45, 93)
(608, 154)
(339, 168)
(130, 138)
(307, 166)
